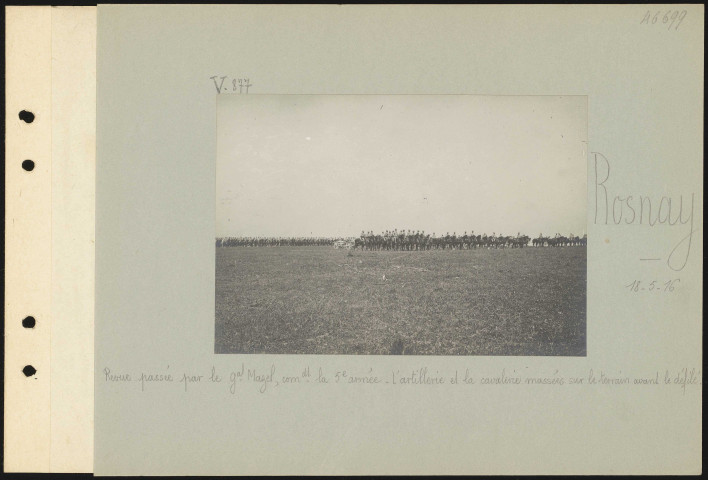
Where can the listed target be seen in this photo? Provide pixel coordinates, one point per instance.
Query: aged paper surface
(73, 199)
(49, 239)
(27, 241)
(631, 405)
(159, 72)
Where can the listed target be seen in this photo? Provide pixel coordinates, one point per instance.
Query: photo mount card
(333, 412)
(171, 397)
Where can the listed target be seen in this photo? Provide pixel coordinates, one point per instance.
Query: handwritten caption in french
(617, 208)
(267, 379)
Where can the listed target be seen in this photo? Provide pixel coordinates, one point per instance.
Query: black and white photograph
(401, 225)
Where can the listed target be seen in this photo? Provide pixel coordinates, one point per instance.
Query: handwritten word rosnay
(612, 208)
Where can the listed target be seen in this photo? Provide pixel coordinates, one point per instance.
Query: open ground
(321, 300)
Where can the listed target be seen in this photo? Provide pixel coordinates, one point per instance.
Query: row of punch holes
(28, 165)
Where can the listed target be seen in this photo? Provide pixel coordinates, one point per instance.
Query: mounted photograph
(401, 225)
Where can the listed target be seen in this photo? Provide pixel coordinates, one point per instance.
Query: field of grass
(320, 300)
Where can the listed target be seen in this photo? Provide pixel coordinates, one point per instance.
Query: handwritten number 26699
(669, 18)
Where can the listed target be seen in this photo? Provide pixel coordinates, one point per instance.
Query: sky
(334, 165)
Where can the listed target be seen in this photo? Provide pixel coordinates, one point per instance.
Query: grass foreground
(321, 300)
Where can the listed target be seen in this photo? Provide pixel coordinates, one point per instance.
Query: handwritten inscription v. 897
(235, 85)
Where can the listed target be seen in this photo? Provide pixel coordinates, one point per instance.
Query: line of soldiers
(409, 240)
(419, 240)
(274, 241)
(560, 241)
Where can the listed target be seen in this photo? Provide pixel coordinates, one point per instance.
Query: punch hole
(28, 322)
(27, 117)
(29, 370)
(28, 165)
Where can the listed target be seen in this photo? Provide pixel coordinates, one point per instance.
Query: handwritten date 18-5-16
(659, 286)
